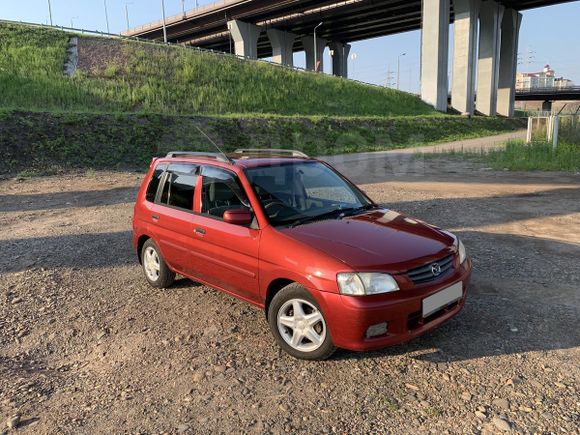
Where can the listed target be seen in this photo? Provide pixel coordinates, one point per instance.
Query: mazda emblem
(435, 269)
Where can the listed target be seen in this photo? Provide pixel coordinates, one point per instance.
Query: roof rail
(216, 156)
(270, 151)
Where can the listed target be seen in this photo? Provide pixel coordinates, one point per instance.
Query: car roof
(241, 160)
(257, 162)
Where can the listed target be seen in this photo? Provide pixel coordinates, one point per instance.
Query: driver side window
(221, 192)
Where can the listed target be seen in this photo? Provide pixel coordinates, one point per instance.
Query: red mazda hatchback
(291, 235)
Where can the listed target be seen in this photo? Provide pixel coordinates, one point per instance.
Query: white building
(543, 79)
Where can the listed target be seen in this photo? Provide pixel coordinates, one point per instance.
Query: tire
(156, 271)
(306, 337)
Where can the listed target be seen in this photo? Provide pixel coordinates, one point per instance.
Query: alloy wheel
(301, 325)
(151, 263)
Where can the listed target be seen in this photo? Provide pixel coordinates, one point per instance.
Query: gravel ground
(88, 347)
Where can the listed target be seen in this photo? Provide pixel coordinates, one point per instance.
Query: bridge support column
(435, 53)
(490, 18)
(464, 39)
(245, 36)
(508, 60)
(547, 106)
(282, 46)
(340, 54)
(308, 42)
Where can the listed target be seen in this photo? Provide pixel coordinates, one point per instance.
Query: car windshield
(305, 191)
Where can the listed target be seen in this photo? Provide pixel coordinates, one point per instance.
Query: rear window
(179, 186)
(154, 183)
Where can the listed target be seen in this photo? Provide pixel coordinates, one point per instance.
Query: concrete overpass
(278, 28)
(548, 95)
(571, 93)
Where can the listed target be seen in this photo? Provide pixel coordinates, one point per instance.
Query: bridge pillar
(490, 19)
(435, 53)
(340, 54)
(547, 106)
(245, 36)
(308, 42)
(282, 46)
(464, 39)
(508, 60)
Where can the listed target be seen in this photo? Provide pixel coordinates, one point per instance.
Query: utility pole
(164, 24)
(127, 15)
(107, 16)
(527, 58)
(50, 12)
(183, 7)
(316, 49)
(389, 82)
(399, 69)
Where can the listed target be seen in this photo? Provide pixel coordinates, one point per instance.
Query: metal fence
(550, 127)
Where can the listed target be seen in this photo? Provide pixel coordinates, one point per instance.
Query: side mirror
(238, 217)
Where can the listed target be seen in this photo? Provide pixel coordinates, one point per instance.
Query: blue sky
(549, 33)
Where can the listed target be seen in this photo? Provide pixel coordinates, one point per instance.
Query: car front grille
(426, 273)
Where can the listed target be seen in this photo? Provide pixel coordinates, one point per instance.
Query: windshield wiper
(339, 213)
(355, 210)
(306, 219)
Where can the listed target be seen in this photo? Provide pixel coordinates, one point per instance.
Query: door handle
(200, 231)
(155, 217)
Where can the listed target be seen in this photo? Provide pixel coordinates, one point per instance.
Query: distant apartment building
(543, 79)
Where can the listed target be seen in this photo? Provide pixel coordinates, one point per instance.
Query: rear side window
(154, 183)
(179, 186)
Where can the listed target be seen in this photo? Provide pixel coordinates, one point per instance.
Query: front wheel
(298, 324)
(155, 268)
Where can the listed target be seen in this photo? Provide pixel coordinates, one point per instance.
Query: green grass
(39, 141)
(520, 156)
(130, 101)
(146, 78)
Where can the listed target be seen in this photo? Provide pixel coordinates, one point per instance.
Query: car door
(173, 215)
(226, 254)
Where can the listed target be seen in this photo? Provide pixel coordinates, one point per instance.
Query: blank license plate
(440, 299)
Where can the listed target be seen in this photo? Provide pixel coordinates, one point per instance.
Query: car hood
(379, 240)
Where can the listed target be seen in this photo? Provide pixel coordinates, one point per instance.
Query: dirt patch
(87, 346)
(101, 57)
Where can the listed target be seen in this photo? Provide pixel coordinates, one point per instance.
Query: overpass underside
(277, 29)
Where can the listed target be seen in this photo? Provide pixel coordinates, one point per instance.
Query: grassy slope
(44, 141)
(139, 77)
(131, 101)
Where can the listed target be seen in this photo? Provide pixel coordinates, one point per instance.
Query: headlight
(460, 248)
(462, 252)
(359, 284)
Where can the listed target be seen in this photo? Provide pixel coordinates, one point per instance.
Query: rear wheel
(298, 324)
(155, 268)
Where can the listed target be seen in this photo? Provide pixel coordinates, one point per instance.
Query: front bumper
(349, 317)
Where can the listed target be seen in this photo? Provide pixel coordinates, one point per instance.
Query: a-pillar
(282, 46)
(340, 54)
(464, 40)
(308, 42)
(490, 18)
(508, 60)
(245, 36)
(435, 53)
